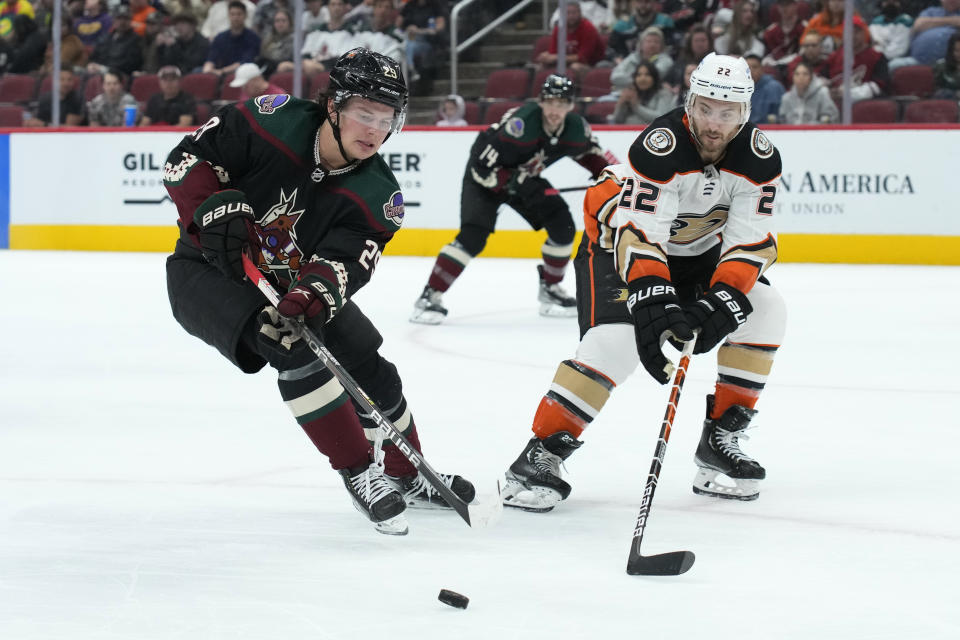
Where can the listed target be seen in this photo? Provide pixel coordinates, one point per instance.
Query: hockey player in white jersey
(676, 241)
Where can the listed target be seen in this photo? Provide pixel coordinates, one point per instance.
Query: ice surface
(149, 490)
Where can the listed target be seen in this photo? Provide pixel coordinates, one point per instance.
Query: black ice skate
(554, 301)
(719, 452)
(375, 498)
(418, 493)
(428, 309)
(533, 482)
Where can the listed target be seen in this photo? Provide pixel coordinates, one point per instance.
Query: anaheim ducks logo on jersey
(760, 144)
(690, 227)
(270, 103)
(660, 141)
(279, 250)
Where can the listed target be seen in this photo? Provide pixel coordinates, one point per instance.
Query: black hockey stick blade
(665, 564)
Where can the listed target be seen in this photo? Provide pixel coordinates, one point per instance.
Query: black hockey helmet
(364, 73)
(556, 86)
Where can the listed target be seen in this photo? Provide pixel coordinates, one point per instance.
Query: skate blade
(550, 310)
(705, 484)
(424, 316)
(516, 495)
(395, 526)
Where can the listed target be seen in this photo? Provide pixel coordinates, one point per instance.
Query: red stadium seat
(284, 80)
(931, 111)
(913, 80)
(92, 87)
(18, 88)
(228, 93)
(542, 44)
(599, 112)
(11, 116)
(507, 84)
(145, 86)
(202, 86)
(496, 110)
(471, 112)
(875, 111)
(318, 82)
(596, 83)
(203, 113)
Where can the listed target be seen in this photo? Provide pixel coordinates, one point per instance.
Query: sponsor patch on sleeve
(393, 210)
(760, 144)
(270, 103)
(660, 141)
(515, 127)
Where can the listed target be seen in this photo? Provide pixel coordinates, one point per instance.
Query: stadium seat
(879, 111)
(15, 88)
(318, 83)
(203, 113)
(145, 86)
(228, 93)
(11, 116)
(495, 111)
(596, 83)
(931, 111)
(202, 86)
(542, 44)
(471, 112)
(92, 87)
(913, 80)
(599, 112)
(284, 80)
(507, 84)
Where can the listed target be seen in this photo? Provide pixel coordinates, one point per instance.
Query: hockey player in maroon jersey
(301, 186)
(676, 241)
(504, 168)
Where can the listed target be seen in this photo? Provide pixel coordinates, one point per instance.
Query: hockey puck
(453, 599)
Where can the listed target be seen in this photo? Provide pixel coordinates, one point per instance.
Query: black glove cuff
(730, 300)
(650, 290)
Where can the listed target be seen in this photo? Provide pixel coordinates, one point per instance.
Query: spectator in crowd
(808, 101)
(946, 71)
(932, 29)
(383, 37)
(316, 14)
(650, 48)
(196, 8)
(362, 11)
(25, 45)
(584, 46)
(624, 34)
(740, 36)
(43, 14)
(9, 9)
(122, 49)
(249, 79)
(697, 43)
(645, 98)
(767, 92)
(94, 24)
(451, 112)
(73, 54)
(235, 46)
(890, 32)
(263, 16)
(811, 52)
(684, 13)
(218, 18)
(278, 46)
(107, 109)
(829, 24)
(782, 38)
(329, 41)
(870, 75)
(596, 12)
(172, 105)
(71, 105)
(424, 24)
(688, 70)
(151, 44)
(184, 48)
(140, 10)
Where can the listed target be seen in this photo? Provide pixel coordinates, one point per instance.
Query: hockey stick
(568, 189)
(672, 563)
(475, 515)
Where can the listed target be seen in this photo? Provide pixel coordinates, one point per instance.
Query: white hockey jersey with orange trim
(666, 201)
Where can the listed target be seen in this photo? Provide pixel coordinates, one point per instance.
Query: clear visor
(374, 115)
(720, 112)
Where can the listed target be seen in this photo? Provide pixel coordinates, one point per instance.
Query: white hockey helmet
(724, 78)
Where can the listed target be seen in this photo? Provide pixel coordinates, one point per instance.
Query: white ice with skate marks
(149, 491)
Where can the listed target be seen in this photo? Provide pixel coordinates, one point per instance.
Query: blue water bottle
(129, 115)
(432, 24)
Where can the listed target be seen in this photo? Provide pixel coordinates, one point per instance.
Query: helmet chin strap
(336, 136)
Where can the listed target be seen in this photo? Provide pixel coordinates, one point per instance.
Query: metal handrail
(455, 48)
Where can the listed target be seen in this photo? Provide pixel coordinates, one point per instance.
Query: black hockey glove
(225, 228)
(318, 291)
(657, 315)
(718, 312)
(278, 338)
